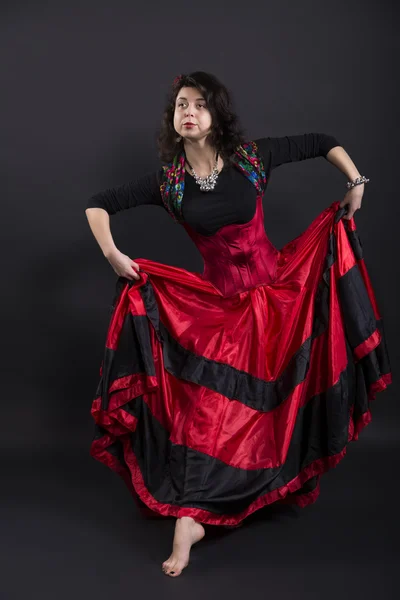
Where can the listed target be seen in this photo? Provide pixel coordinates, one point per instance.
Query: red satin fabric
(257, 331)
(238, 257)
(252, 309)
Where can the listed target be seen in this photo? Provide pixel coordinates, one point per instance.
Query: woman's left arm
(339, 157)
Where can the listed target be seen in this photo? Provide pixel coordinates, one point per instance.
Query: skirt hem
(283, 495)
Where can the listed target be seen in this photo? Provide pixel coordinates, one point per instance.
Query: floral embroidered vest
(172, 185)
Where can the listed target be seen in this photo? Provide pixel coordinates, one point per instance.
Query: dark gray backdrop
(83, 89)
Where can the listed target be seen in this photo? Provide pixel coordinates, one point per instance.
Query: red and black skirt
(213, 407)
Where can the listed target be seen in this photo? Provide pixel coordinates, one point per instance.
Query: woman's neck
(202, 158)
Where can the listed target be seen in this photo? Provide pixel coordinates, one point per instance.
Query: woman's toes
(168, 566)
(173, 569)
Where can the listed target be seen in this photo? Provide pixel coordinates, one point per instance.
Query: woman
(225, 391)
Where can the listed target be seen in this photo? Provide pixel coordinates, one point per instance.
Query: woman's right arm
(99, 223)
(144, 190)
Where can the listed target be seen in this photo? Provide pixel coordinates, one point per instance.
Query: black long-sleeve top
(233, 199)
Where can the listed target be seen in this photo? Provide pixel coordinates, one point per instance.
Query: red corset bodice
(239, 256)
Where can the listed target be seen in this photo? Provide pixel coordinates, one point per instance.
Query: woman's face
(190, 107)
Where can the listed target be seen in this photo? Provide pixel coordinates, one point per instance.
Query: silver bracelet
(357, 181)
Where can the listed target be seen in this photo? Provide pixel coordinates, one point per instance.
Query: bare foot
(187, 533)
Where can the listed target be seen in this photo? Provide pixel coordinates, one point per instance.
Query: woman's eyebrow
(183, 98)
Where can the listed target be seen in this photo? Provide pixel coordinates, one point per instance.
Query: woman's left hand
(353, 198)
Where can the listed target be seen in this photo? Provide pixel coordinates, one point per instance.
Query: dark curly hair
(226, 134)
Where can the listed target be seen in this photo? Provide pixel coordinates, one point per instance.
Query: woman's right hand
(123, 265)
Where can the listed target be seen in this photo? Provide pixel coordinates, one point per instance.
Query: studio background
(83, 90)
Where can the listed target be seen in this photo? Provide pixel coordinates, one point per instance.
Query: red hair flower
(177, 79)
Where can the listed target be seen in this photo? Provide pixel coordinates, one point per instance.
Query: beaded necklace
(206, 183)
